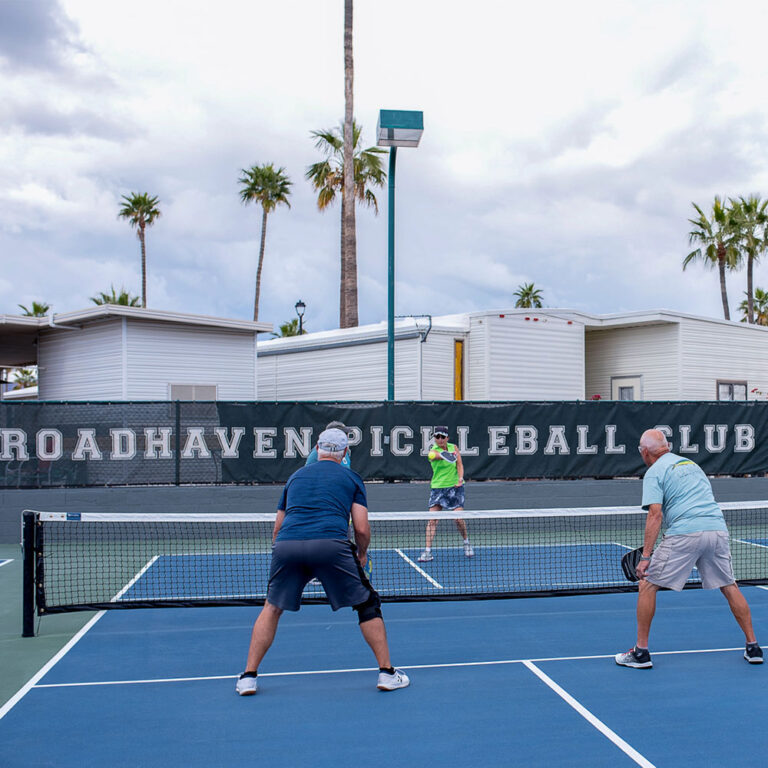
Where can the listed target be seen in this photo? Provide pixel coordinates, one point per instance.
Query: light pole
(300, 306)
(396, 128)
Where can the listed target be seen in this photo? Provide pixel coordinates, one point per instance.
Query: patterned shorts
(447, 498)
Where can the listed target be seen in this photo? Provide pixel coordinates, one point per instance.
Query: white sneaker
(389, 682)
(468, 551)
(246, 685)
(425, 556)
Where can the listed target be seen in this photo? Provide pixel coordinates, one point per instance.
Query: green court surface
(21, 658)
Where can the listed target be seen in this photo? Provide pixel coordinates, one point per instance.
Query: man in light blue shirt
(679, 499)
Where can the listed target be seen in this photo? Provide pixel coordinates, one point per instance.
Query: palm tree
(716, 238)
(141, 211)
(751, 217)
(269, 187)
(290, 328)
(348, 316)
(327, 178)
(760, 307)
(528, 296)
(38, 309)
(25, 377)
(123, 298)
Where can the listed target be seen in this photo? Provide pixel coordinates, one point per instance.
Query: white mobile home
(524, 355)
(117, 353)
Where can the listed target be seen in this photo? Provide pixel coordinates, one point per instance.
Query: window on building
(731, 390)
(193, 391)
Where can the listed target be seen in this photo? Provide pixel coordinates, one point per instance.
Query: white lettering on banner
(49, 445)
(685, 440)
(229, 448)
(123, 444)
(462, 435)
(395, 445)
(157, 446)
(584, 447)
(709, 437)
(497, 441)
(86, 444)
(527, 440)
(666, 430)
(13, 440)
(294, 442)
(744, 438)
(557, 442)
(195, 446)
(199, 442)
(376, 441)
(263, 437)
(426, 440)
(354, 436)
(610, 440)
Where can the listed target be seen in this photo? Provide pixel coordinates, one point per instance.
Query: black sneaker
(639, 659)
(754, 654)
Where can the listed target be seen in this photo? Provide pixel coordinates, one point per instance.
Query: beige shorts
(675, 557)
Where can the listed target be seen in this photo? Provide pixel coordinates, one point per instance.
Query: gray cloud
(46, 120)
(35, 34)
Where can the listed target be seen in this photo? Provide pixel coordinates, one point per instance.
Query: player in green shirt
(446, 488)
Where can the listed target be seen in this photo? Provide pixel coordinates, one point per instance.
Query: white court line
(590, 718)
(420, 570)
(451, 665)
(134, 579)
(31, 683)
(5, 562)
(752, 543)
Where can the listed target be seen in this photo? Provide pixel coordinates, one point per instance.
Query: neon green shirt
(445, 474)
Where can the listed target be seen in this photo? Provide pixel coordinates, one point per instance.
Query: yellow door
(458, 369)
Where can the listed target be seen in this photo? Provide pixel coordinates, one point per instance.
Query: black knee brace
(370, 609)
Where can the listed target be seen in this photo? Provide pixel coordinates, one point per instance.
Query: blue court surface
(528, 682)
(493, 569)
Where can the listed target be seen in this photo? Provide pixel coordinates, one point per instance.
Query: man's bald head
(654, 442)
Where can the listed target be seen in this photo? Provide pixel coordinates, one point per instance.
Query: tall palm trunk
(343, 272)
(260, 264)
(348, 310)
(721, 269)
(750, 292)
(143, 267)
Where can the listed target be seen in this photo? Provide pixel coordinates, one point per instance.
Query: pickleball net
(111, 561)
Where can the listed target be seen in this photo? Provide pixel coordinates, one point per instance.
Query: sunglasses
(438, 436)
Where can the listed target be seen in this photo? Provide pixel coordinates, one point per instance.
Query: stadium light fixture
(396, 128)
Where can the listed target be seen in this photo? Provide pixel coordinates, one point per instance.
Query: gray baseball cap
(333, 440)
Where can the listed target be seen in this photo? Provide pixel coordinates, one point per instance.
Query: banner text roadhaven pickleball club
(76, 444)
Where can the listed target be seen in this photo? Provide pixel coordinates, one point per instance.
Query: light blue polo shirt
(685, 495)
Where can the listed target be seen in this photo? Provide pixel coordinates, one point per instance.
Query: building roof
(18, 333)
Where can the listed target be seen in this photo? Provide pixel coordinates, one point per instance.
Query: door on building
(626, 387)
(458, 369)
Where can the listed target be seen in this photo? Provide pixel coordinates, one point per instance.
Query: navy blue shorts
(447, 498)
(332, 561)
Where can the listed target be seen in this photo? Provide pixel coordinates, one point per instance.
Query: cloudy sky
(563, 144)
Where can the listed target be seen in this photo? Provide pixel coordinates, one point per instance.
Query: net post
(28, 573)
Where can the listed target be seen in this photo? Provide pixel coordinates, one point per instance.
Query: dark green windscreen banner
(97, 444)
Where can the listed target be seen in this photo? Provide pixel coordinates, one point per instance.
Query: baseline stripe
(590, 718)
(450, 665)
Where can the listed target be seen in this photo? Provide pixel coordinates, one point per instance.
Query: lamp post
(300, 306)
(396, 128)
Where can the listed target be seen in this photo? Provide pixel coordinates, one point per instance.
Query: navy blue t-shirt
(317, 500)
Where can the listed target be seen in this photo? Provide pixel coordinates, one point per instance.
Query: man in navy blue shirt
(310, 541)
